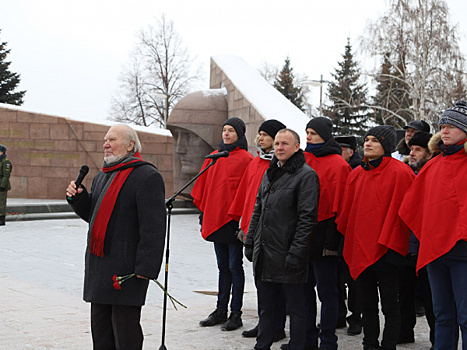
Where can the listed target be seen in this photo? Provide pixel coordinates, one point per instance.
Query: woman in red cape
(435, 209)
(213, 194)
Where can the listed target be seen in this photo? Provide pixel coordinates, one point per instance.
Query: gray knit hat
(456, 115)
(386, 135)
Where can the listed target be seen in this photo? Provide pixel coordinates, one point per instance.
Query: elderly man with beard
(126, 213)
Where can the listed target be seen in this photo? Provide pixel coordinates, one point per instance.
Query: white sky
(70, 54)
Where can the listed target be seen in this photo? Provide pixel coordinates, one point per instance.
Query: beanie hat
(323, 126)
(419, 125)
(271, 127)
(347, 141)
(456, 116)
(237, 124)
(420, 139)
(2, 148)
(386, 135)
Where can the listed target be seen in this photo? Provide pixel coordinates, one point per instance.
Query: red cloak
(435, 207)
(368, 216)
(245, 199)
(215, 190)
(332, 172)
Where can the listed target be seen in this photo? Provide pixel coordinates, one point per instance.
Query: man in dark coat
(277, 242)
(403, 148)
(127, 217)
(5, 172)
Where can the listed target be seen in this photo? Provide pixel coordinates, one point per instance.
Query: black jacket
(285, 213)
(134, 240)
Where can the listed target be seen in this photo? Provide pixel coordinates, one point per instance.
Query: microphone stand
(169, 205)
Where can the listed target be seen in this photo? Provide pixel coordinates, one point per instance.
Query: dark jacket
(5, 172)
(285, 213)
(134, 240)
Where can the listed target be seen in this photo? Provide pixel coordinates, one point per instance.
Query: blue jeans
(231, 275)
(448, 280)
(322, 273)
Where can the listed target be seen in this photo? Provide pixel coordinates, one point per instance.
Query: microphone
(82, 173)
(218, 155)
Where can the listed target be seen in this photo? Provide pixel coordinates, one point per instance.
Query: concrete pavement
(41, 274)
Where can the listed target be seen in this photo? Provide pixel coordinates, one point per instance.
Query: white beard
(112, 159)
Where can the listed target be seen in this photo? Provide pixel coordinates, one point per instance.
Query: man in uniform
(5, 172)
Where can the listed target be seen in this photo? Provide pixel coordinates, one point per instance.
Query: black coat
(285, 213)
(134, 240)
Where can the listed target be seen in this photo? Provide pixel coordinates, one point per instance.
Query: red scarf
(106, 207)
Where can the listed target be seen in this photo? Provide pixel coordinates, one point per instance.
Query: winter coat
(285, 213)
(5, 172)
(134, 240)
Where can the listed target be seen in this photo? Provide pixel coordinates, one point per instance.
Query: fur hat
(2, 149)
(456, 116)
(421, 139)
(386, 135)
(420, 125)
(237, 124)
(323, 126)
(271, 127)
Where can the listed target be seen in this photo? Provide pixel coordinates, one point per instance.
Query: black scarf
(294, 163)
(241, 142)
(329, 147)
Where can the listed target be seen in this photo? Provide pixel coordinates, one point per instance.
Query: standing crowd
(326, 224)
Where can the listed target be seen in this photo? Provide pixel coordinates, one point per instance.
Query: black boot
(216, 317)
(234, 322)
(2, 220)
(251, 333)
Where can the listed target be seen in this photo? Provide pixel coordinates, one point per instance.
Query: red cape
(215, 190)
(435, 207)
(332, 172)
(368, 217)
(245, 199)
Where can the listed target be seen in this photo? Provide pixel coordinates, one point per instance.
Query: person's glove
(327, 252)
(249, 253)
(292, 263)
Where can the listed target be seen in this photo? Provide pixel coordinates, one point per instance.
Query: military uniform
(5, 171)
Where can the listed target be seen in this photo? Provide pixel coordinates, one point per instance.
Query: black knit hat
(237, 124)
(421, 139)
(347, 141)
(2, 149)
(386, 135)
(456, 115)
(271, 127)
(323, 126)
(418, 125)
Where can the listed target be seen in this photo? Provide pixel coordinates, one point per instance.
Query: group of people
(306, 220)
(325, 219)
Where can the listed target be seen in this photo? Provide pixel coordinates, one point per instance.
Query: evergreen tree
(8, 81)
(285, 84)
(348, 110)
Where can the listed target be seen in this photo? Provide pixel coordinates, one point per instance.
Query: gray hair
(129, 134)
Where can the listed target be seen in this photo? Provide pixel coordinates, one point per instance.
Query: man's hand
(71, 190)
(292, 263)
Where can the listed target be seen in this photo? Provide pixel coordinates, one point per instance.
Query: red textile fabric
(215, 190)
(245, 198)
(435, 207)
(332, 172)
(369, 217)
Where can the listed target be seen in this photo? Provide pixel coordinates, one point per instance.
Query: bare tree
(417, 40)
(161, 72)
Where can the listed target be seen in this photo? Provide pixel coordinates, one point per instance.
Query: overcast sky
(70, 53)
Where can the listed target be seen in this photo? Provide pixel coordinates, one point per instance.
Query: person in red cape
(323, 154)
(213, 194)
(126, 213)
(244, 202)
(435, 209)
(376, 239)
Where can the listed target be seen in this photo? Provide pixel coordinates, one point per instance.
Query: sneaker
(251, 333)
(216, 317)
(234, 322)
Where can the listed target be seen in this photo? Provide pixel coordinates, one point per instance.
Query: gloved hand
(292, 263)
(327, 252)
(249, 253)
